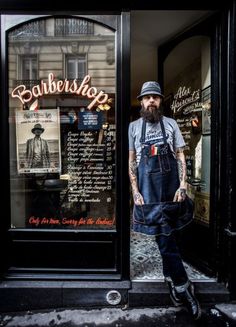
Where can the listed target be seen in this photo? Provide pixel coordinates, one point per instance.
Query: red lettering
(34, 221)
(44, 221)
(54, 221)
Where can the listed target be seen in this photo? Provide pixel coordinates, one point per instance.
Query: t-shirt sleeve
(131, 137)
(178, 137)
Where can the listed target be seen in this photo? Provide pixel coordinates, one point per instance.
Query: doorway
(178, 55)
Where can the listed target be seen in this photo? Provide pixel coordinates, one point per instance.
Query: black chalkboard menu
(82, 196)
(89, 161)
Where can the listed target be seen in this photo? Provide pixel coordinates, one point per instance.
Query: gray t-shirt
(154, 135)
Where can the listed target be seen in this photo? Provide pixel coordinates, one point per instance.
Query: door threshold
(155, 292)
(161, 280)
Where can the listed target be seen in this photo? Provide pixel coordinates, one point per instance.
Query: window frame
(76, 63)
(22, 241)
(20, 61)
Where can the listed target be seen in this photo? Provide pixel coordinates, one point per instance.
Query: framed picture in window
(38, 141)
(206, 110)
(202, 207)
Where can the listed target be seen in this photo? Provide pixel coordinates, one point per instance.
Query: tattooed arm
(181, 192)
(138, 199)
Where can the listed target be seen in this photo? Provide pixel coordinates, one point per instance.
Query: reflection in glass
(187, 79)
(62, 82)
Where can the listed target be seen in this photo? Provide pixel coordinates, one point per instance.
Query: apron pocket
(148, 214)
(166, 163)
(153, 165)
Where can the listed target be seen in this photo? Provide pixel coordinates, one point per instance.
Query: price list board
(90, 196)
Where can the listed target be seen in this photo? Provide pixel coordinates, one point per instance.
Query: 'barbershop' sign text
(53, 86)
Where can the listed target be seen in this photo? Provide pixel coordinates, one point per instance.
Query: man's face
(151, 108)
(38, 132)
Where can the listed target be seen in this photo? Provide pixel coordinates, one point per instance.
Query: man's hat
(150, 87)
(37, 126)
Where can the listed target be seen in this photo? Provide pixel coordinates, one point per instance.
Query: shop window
(76, 67)
(62, 127)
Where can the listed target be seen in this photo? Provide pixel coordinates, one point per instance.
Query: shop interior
(186, 82)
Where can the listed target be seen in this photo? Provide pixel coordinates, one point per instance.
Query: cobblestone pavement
(222, 315)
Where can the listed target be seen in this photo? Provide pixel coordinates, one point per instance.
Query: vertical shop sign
(186, 108)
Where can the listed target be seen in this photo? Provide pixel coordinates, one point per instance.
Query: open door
(188, 79)
(188, 72)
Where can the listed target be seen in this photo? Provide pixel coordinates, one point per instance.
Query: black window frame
(115, 264)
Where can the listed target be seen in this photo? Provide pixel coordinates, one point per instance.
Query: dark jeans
(172, 262)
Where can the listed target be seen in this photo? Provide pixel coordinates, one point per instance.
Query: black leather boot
(186, 294)
(173, 294)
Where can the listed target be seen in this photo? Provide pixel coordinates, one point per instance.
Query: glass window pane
(62, 101)
(81, 68)
(76, 67)
(188, 99)
(71, 69)
(28, 68)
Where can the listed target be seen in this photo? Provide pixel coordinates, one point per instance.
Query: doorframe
(210, 264)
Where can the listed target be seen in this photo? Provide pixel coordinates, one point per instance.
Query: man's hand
(138, 199)
(180, 195)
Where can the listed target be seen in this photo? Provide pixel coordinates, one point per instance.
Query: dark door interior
(187, 72)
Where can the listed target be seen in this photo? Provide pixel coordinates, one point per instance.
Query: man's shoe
(173, 294)
(189, 300)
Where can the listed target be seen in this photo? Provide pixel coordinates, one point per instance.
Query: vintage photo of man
(38, 141)
(37, 149)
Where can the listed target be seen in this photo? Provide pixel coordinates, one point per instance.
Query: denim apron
(158, 180)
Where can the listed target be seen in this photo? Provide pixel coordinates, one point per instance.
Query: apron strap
(163, 131)
(143, 133)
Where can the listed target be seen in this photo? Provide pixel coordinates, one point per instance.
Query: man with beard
(157, 171)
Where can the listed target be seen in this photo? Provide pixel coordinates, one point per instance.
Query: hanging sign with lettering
(53, 86)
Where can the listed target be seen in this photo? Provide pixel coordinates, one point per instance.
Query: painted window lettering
(53, 86)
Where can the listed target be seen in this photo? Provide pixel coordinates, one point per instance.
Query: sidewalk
(221, 315)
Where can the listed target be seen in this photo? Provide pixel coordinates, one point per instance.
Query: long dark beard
(152, 116)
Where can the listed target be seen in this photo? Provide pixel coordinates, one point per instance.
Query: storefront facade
(66, 201)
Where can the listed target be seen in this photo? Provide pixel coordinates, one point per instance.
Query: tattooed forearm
(133, 168)
(133, 172)
(137, 196)
(181, 167)
(133, 176)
